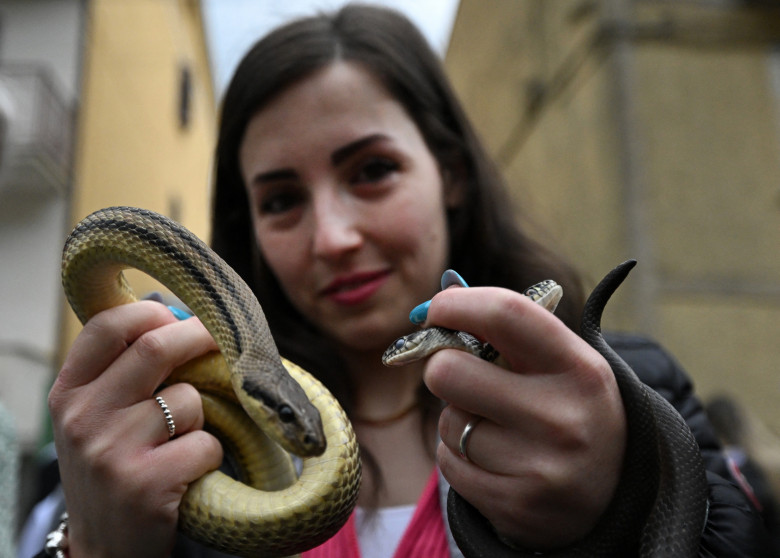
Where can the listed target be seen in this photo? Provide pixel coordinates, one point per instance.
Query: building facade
(647, 129)
(101, 103)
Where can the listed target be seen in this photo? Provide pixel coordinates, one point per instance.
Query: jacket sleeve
(734, 527)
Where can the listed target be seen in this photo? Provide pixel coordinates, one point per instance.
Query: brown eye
(376, 169)
(280, 202)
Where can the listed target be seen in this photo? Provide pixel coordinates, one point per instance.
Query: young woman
(348, 179)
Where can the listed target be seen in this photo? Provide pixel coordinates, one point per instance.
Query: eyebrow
(274, 175)
(348, 150)
(337, 157)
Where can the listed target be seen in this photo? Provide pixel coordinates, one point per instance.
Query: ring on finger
(464, 437)
(168, 416)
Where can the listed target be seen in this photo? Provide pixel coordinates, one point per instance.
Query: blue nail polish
(179, 313)
(419, 313)
(452, 277)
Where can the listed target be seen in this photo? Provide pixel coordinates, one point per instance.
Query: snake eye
(286, 414)
(399, 344)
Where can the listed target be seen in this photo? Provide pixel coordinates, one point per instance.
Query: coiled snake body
(660, 506)
(277, 512)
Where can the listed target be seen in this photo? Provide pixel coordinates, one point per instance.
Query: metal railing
(36, 131)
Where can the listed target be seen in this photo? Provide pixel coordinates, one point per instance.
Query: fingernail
(450, 278)
(154, 295)
(419, 313)
(179, 313)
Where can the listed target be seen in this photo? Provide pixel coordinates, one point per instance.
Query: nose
(336, 226)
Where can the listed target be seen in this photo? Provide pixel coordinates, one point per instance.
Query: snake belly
(660, 506)
(261, 407)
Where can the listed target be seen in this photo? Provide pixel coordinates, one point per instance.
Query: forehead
(334, 104)
(329, 87)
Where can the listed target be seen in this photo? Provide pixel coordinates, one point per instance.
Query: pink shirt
(425, 536)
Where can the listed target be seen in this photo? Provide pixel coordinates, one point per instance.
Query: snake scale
(660, 506)
(274, 511)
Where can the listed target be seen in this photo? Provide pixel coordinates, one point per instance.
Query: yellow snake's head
(280, 407)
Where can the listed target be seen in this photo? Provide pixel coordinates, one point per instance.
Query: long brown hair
(488, 243)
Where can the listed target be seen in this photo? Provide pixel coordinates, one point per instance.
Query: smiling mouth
(355, 288)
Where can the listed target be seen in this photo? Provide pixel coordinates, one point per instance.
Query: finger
(510, 504)
(184, 413)
(191, 456)
(483, 388)
(450, 278)
(543, 491)
(475, 484)
(526, 334)
(139, 370)
(543, 407)
(486, 444)
(107, 335)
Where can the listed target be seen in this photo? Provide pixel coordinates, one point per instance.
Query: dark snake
(660, 506)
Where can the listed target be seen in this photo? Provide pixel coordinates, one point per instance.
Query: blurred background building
(628, 128)
(103, 102)
(40, 59)
(647, 129)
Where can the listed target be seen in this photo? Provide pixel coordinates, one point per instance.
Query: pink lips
(355, 288)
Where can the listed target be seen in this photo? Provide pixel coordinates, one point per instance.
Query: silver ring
(168, 416)
(464, 438)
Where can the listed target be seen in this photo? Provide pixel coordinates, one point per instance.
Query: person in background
(742, 442)
(348, 178)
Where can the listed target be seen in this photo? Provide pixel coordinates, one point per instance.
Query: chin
(371, 335)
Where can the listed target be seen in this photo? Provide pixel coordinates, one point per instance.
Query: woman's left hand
(545, 458)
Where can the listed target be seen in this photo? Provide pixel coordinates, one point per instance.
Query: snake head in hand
(424, 342)
(279, 402)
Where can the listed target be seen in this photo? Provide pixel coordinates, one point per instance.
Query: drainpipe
(633, 169)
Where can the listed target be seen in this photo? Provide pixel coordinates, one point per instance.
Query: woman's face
(347, 203)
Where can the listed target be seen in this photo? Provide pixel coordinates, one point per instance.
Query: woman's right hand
(123, 477)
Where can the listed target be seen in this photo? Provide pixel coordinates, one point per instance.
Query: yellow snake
(275, 511)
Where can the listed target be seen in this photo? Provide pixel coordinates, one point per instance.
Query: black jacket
(734, 528)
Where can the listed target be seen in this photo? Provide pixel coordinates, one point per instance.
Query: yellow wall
(647, 130)
(131, 148)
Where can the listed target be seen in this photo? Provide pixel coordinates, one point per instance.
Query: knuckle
(104, 329)
(100, 323)
(76, 426)
(56, 400)
(103, 463)
(439, 372)
(151, 346)
(209, 445)
(444, 457)
(186, 392)
(510, 303)
(572, 431)
(445, 422)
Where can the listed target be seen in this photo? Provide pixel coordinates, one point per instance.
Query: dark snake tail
(660, 505)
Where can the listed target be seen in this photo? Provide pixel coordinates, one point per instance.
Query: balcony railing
(36, 132)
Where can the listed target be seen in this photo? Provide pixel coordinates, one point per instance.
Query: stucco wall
(648, 130)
